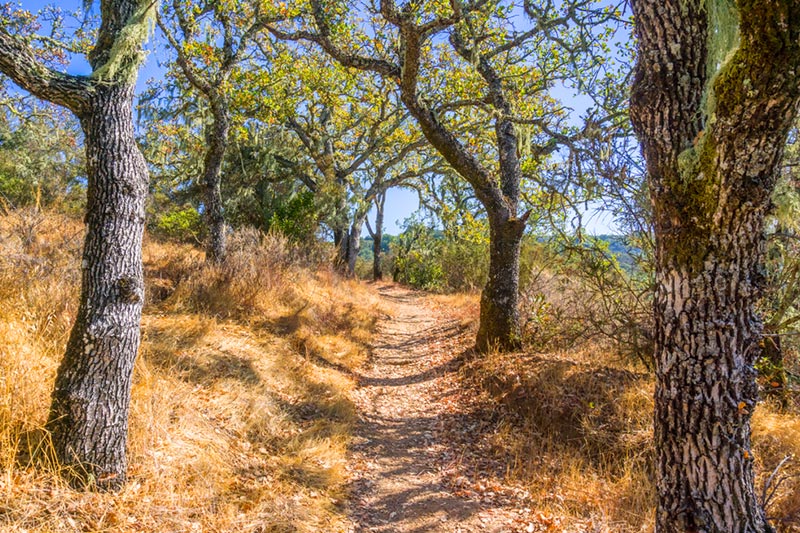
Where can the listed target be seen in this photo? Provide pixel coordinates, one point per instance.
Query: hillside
(271, 395)
(234, 425)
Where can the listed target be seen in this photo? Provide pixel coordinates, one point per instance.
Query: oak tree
(90, 404)
(473, 61)
(716, 90)
(210, 40)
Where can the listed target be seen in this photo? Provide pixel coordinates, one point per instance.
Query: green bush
(182, 224)
(430, 260)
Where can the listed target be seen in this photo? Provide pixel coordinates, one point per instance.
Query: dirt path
(400, 453)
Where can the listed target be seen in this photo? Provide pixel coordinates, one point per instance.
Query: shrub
(182, 224)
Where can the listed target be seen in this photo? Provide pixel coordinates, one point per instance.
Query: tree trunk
(90, 403)
(377, 238)
(712, 129)
(217, 144)
(499, 321)
(354, 245)
(341, 242)
(707, 336)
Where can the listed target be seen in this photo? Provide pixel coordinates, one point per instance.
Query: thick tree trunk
(499, 321)
(340, 221)
(217, 144)
(712, 143)
(707, 336)
(89, 413)
(377, 238)
(341, 242)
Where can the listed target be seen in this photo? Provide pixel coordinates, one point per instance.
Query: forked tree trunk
(712, 146)
(499, 321)
(89, 413)
(217, 144)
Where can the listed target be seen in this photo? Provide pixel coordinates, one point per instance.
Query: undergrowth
(574, 428)
(240, 414)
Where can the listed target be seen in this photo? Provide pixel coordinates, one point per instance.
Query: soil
(407, 461)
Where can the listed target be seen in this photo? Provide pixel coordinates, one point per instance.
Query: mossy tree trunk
(90, 404)
(712, 136)
(216, 146)
(499, 323)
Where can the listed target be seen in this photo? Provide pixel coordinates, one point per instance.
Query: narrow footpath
(400, 456)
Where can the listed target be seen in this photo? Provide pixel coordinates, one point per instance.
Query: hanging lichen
(127, 53)
(722, 43)
(524, 134)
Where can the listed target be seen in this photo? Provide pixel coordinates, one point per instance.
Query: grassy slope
(574, 428)
(234, 427)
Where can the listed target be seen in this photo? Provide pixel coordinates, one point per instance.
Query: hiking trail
(400, 457)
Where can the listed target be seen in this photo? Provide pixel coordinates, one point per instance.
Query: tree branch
(18, 61)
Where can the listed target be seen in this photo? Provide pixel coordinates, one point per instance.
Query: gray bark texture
(354, 244)
(216, 146)
(88, 417)
(712, 145)
(89, 413)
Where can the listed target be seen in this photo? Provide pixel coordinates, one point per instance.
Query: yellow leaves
(201, 51)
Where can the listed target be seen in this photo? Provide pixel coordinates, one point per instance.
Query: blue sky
(400, 203)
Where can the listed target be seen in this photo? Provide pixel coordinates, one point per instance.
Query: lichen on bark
(127, 53)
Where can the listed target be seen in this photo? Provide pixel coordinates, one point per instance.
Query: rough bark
(354, 244)
(89, 413)
(711, 168)
(499, 319)
(341, 244)
(88, 417)
(340, 221)
(216, 146)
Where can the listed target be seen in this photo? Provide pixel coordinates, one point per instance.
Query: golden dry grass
(240, 415)
(575, 429)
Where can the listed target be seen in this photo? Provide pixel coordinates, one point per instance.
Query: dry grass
(574, 428)
(241, 412)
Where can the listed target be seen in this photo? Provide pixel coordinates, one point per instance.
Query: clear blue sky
(400, 203)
